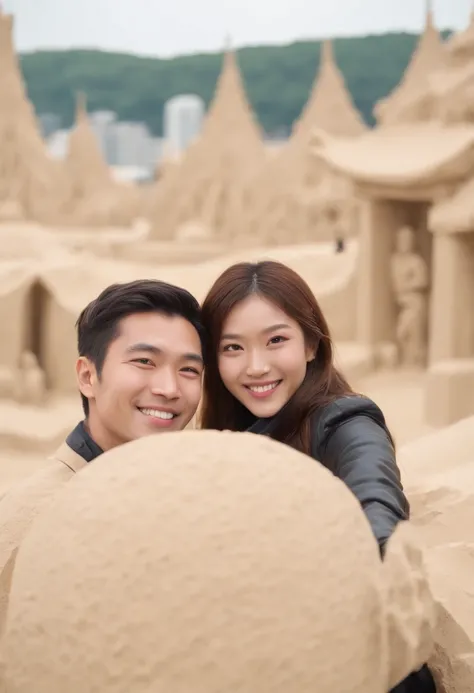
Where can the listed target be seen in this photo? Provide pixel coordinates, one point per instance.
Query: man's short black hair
(98, 324)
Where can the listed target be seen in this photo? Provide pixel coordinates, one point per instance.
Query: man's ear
(86, 375)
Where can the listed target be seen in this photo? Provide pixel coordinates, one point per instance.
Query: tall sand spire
(32, 185)
(289, 185)
(427, 57)
(208, 187)
(96, 198)
(330, 106)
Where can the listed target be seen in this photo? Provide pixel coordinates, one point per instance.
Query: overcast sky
(173, 27)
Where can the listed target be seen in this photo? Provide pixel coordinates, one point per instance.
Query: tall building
(183, 118)
(102, 123)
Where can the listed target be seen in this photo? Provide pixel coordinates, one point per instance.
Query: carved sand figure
(229, 594)
(30, 384)
(410, 283)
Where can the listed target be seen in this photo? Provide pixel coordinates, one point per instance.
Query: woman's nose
(257, 365)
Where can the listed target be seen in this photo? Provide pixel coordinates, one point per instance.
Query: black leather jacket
(349, 437)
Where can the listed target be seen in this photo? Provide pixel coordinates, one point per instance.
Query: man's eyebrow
(143, 346)
(152, 349)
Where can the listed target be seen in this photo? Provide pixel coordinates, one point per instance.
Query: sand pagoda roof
(428, 56)
(207, 185)
(30, 180)
(454, 214)
(96, 197)
(422, 155)
(330, 106)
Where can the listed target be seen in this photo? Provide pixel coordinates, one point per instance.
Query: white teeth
(263, 388)
(157, 413)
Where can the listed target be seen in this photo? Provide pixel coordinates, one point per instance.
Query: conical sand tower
(96, 198)
(32, 185)
(289, 185)
(208, 187)
(428, 56)
(446, 94)
(330, 106)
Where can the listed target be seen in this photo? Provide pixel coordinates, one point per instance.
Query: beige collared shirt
(23, 503)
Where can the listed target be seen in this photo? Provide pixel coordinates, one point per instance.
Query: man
(139, 372)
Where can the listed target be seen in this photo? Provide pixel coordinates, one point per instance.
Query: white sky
(173, 27)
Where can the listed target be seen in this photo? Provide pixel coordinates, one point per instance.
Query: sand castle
(418, 174)
(206, 603)
(428, 56)
(215, 170)
(96, 198)
(32, 185)
(295, 198)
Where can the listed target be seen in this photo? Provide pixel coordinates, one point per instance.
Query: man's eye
(190, 369)
(143, 361)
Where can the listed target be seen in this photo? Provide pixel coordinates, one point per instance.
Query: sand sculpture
(32, 185)
(410, 284)
(208, 186)
(96, 198)
(428, 56)
(295, 200)
(439, 476)
(30, 381)
(420, 174)
(177, 566)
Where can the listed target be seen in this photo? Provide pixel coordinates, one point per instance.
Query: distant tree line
(278, 79)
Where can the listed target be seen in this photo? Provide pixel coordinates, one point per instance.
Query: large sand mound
(438, 470)
(211, 562)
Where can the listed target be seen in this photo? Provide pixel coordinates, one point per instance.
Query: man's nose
(165, 383)
(257, 364)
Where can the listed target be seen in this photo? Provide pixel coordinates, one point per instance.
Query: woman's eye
(231, 347)
(277, 340)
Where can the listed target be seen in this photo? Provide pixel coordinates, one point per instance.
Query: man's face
(150, 380)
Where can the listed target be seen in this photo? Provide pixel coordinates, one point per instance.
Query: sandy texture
(210, 561)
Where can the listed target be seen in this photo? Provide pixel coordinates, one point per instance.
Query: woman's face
(262, 356)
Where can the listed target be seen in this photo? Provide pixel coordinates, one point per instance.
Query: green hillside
(277, 78)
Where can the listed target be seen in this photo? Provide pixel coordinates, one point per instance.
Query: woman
(270, 370)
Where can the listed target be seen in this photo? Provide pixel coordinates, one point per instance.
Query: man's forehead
(157, 332)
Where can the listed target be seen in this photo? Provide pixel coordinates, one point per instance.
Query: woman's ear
(310, 353)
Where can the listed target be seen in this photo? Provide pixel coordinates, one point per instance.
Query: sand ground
(399, 394)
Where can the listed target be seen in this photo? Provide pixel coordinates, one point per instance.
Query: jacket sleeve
(352, 440)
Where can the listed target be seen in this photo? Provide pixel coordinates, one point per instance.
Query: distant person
(270, 371)
(139, 372)
(340, 244)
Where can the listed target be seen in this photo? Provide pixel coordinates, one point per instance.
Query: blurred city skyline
(147, 27)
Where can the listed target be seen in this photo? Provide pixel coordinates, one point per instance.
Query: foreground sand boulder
(206, 562)
(439, 477)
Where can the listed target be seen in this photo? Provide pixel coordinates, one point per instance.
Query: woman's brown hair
(282, 286)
